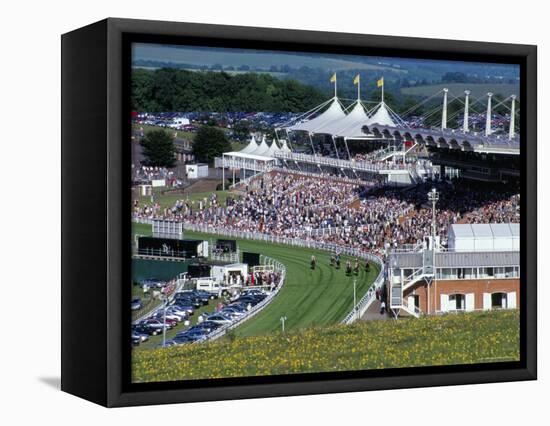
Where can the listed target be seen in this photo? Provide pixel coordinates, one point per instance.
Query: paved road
(373, 312)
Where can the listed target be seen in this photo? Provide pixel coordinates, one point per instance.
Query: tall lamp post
(164, 322)
(433, 196)
(355, 297)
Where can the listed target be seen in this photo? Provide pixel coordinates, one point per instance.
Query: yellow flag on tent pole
(380, 83)
(333, 80)
(357, 79)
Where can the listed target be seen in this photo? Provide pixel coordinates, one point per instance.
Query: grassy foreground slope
(445, 340)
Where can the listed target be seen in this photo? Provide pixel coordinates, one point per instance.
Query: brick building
(478, 271)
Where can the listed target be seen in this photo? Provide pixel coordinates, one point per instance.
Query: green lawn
(308, 298)
(453, 339)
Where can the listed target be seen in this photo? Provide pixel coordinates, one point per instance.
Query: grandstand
(385, 144)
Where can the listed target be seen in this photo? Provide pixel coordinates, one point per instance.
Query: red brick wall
(478, 287)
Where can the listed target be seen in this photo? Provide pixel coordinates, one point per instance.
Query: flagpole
(382, 89)
(335, 83)
(359, 88)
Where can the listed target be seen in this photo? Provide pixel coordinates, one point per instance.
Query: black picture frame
(96, 218)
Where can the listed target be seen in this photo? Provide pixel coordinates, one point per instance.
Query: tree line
(168, 89)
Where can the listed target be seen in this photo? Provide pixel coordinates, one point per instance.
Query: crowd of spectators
(367, 216)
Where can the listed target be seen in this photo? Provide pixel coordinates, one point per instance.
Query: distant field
(453, 339)
(252, 58)
(458, 89)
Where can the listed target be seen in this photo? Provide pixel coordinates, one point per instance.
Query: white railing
(365, 166)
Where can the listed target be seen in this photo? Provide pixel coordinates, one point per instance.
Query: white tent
(356, 117)
(251, 147)
(332, 113)
(273, 149)
(381, 116)
(484, 237)
(262, 149)
(284, 146)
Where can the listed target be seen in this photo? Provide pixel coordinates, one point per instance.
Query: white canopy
(251, 147)
(273, 149)
(381, 116)
(486, 236)
(356, 118)
(240, 154)
(284, 146)
(332, 113)
(261, 149)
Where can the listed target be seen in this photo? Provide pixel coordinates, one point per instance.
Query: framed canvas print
(253, 212)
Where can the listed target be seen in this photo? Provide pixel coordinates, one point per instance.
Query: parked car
(188, 299)
(232, 312)
(170, 318)
(147, 329)
(209, 325)
(153, 283)
(143, 337)
(137, 304)
(176, 310)
(220, 318)
(182, 305)
(158, 324)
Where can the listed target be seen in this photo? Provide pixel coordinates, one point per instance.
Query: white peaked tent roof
(261, 149)
(273, 149)
(251, 147)
(356, 117)
(381, 116)
(332, 113)
(284, 146)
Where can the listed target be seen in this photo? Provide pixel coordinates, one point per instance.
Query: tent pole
(223, 172)
(311, 141)
(335, 147)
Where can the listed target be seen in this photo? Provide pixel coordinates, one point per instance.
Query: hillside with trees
(169, 89)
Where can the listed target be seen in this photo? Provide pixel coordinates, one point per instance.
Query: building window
(457, 302)
(470, 273)
(499, 301)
